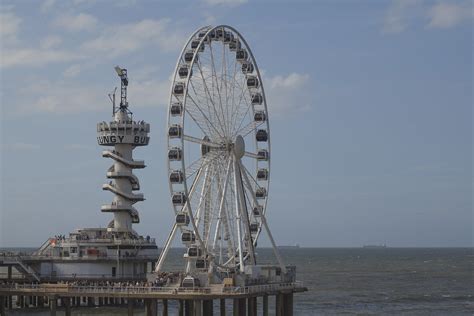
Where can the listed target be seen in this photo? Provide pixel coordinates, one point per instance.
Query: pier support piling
(288, 302)
(130, 306)
(2, 305)
(188, 308)
(198, 305)
(208, 307)
(67, 305)
(181, 308)
(165, 307)
(53, 305)
(239, 307)
(279, 311)
(265, 305)
(151, 307)
(222, 306)
(252, 306)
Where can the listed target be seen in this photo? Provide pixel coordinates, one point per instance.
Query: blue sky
(370, 105)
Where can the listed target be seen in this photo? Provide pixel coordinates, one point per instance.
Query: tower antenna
(122, 73)
(112, 99)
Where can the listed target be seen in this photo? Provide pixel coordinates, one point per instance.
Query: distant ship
(375, 246)
(295, 246)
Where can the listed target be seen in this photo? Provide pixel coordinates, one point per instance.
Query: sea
(359, 281)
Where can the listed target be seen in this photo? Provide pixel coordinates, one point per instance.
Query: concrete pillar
(208, 307)
(53, 305)
(197, 308)
(239, 307)
(165, 307)
(188, 308)
(265, 305)
(181, 308)
(2, 305)
(288, 304)
(67, 306)
(40, 301)
(130, 307)
(279, 305)
(10, 302)
(252, 306)
(151, 307)
(9, 272)
(22, 301)
(222, 306)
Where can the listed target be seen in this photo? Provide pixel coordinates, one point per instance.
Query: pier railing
(134, 290)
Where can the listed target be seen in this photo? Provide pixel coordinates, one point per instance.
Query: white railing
(263, 288)
(134, 290)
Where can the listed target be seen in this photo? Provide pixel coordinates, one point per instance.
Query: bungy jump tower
(117, 252)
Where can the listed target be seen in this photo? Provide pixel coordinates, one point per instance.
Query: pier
(190, 301)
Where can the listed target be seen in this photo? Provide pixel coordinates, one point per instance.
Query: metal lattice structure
(218, 152)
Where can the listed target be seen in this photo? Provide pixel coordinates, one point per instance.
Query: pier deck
(192, 301)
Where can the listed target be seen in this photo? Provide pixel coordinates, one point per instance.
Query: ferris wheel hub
(239, 147)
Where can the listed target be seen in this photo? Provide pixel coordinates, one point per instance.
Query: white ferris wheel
(218, 153)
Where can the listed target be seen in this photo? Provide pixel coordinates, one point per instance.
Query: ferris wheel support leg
(244, 212)
(267, 229)
(202, 196)
(237, 217)
(163, 254)
(221, 204)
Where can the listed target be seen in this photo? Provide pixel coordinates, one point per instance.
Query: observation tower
(124, 134)
(116, 252)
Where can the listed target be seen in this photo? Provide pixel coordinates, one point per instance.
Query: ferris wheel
(218, 152)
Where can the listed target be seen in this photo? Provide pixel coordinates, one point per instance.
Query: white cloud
(226, 2)
(446, 15)
(114, 41)
(74, 23)
(60, 97)
(34, 57)
(50, 42)
(123, 39)
(23, 146)
(47, 5)
(77, 147)
(72, 71)
(399, 15)
(151, 92)
(9, 25)
(403, 13)
(288, 93)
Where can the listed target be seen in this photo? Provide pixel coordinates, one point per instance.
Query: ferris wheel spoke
(214, 77)
(207, 121)
(232, 86)
(210, 98)
(251, 155)
(193, 189)
(196, 103)
(203, 195)
(247, 129)
(237, 114)
(201, 141)
(200, 163)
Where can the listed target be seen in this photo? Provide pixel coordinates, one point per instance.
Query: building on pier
(117, 251)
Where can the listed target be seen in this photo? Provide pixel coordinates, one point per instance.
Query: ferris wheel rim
(208, 30)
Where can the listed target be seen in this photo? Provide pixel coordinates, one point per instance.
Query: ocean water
(359, 281)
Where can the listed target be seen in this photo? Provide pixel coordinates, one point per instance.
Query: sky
(370, 104)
